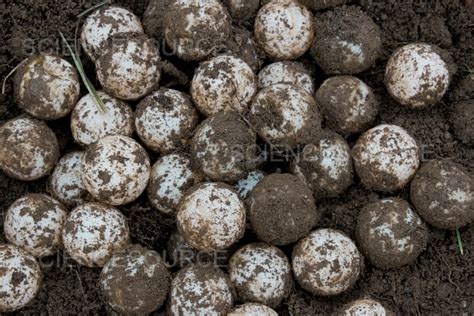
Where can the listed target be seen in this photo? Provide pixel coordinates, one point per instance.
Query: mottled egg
(246, 184)
(363, 307)
(289, 72)
(252, 309)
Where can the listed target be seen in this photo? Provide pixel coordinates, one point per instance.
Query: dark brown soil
(440, 282)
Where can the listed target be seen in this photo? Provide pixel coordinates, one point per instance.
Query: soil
(441, 280)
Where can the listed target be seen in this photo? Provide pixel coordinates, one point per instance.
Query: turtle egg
(171, 176)
(89, 124)
(418, 75)
(285, 29)
(386, 158)
(46, 87)
(135, 281)
(242, 9)
(289, 72)
(363, 307)
(34, 223)
(222, 83)
(252, 309)
(103, 24)
(92, 232)
(20, 279)
(326, 262)
(165, 120)
(129, 67)
(28, 149)
(115, 170)
(261, 273)
(211, 217)
(247, 183)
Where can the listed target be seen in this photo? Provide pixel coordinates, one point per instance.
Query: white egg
(247, 183)
(252, 309)
(363, 307)
(289, 72)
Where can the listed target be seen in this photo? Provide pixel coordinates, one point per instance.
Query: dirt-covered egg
(363, 307)
(252, 309)
(20, 278)
(28, 149)
(165, 120)
(89, 124)
(289, 72)
(34, 222)
(247, 183)
(93, 231)
(326, 262)
(115, 170)
(46, 87)
(223, 83)
(242, 10)
(386, 158)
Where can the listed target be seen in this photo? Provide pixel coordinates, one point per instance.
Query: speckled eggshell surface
(289, 72)
(252, 309)
(247, 183)
(363, 307)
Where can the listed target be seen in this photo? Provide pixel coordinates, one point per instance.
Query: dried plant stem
(8, 76)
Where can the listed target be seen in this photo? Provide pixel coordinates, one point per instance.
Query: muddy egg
(93, 231)
(224, 147)
(115, 170)
(247, 183)
(418, 75)
(65, 183)
(363, 307)
(129, 67)
(242, 44)
(199, 290)
(347, 41)
(196, 28)
(89, 124)
(242, 9)
(270, 203)
(34, 223)
(171, 176)
(223, 83)
(326, 262)
(289, 72)
(285, 29)
(20, 279)
(390, 233)
(326, 167)
(462, 121)
(28, 149)
(285, 116)
(46, 87)
(252, 309)
(211, 217)
(135, 281)
(102, 24)
(165, 120)
(386, 158)
(443, 193)
(261, 273)
(348, 104)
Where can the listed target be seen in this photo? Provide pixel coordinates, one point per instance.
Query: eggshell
(289, 72)
(252, 309)
(364, 307)
(247, 183)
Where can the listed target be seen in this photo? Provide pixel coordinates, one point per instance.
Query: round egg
(199, 290)
(171, 176)
(34, 222)
(390, 233)
(418, 75)
(211, 217)
(29, 149)
(348, 104)
(443, 193)
(223, 83)
(195, 29)
(326, 167)
(326, 262)
(285, 116)
(252, 309)
(135, 281)
(284, 29)
(363, 307)
(242, 10)
(386, 158)
(246, 184)
(102, 24)
(165, 120)
(46, 87)
(261, 273)
(89, 124)
(288, 72)
(129, 67)
(225, 147)
(92, 232)
(115, 170)
(20, 279)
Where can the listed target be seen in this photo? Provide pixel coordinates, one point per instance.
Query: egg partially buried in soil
(46, 87)
(363, 307)
(28, 149)
(242, 10)
(92, 232)
(35, 223)
(246, 184)
(289, 72)
(115, 170)
(20, 279)
(390, 233)
(252, 309)
(326, 262)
